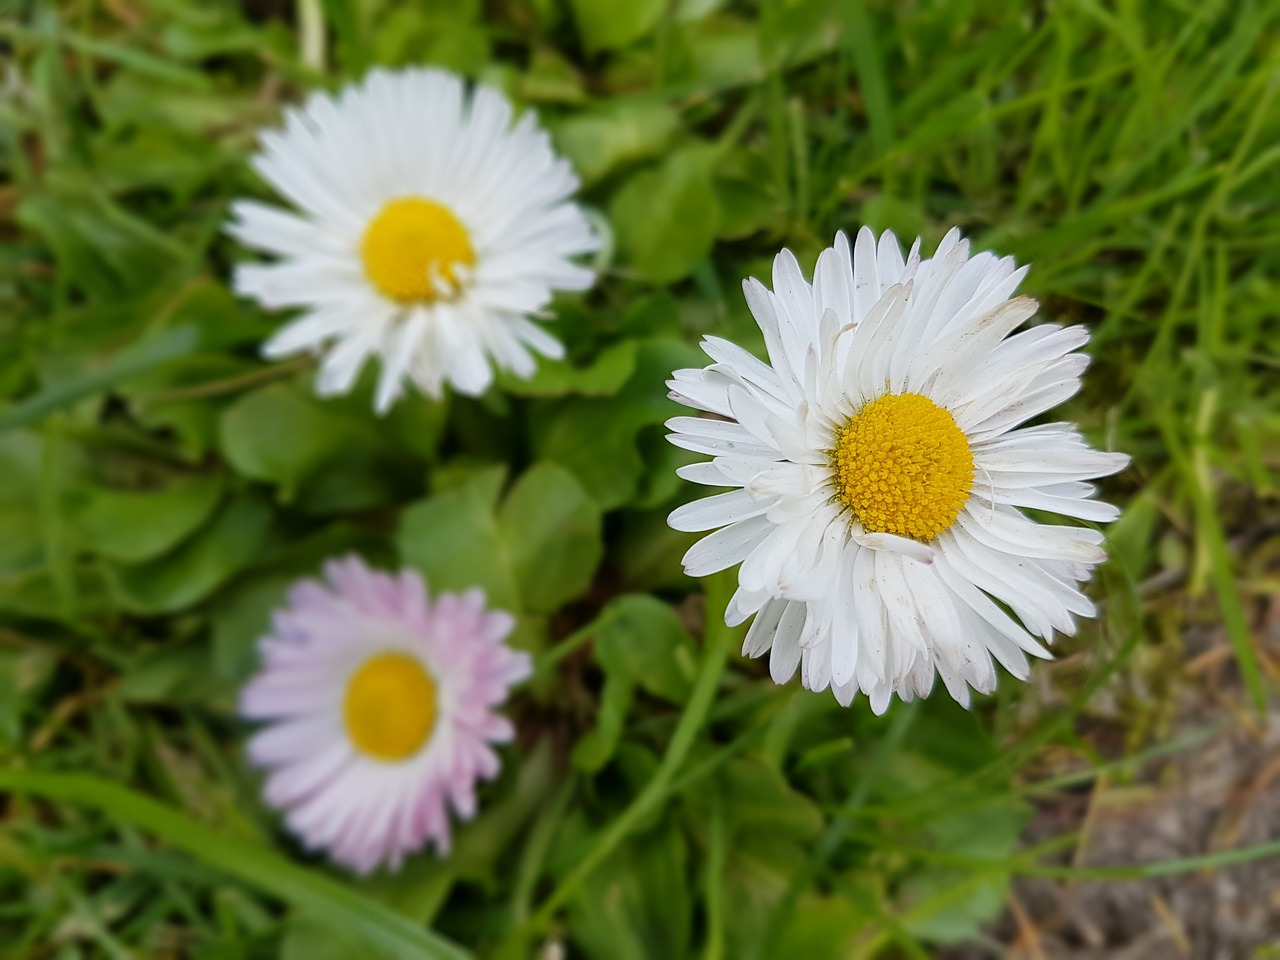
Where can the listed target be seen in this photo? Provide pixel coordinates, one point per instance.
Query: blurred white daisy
(381, 709)
(430, 228)
(880, 468)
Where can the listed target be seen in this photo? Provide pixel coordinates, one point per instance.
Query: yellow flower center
(390, 706)
(413, 248)
(903, 466)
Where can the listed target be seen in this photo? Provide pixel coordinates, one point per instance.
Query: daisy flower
(880, 469)
(380, 704)
(429, 228)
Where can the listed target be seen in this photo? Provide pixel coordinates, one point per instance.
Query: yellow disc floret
(390, 706)
(903, 466)
(413, 249)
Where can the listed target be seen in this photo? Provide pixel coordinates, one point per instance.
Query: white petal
(414, 133)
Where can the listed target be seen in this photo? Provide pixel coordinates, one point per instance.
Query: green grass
(666, 800)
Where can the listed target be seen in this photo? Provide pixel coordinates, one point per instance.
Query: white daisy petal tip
(380, 706)
(425, 230)
(882, 465)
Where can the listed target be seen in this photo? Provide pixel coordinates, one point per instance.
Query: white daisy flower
(430, 228)
(381, 709)
(879, 470)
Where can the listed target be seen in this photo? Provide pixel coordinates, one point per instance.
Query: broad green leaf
(21, 542)
(316, 937)
(278, 435)
(317, 455)
(225, 546)
(136, 525)
(616, 132)
(608, 24)
(745, 192)
(642, 637)
(649, 552)
(757, 800)
(665, 218)
(1129, 538)
(596, 438)
(551, 78)
(639, 643)
(540, 549)
(604, 376)
(241, 618)
(948, 903)
(596, 747)
(178, 676)
(638, 904)
(454, 539)
(433, 34)
(757, 871)
(822, 928)
(723, 53)
(551, 531)
(37, 594)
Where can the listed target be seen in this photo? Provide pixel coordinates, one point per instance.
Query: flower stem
(716, 643)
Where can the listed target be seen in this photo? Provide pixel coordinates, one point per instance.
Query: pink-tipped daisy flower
(380, 709)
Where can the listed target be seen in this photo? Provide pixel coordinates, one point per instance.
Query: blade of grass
(859, 38)
(128, 363)
(383, 929)
(837, 830)
(717, 641)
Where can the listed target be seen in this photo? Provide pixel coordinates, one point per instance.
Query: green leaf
(453, 538)
(128, 363)
(445, 35)
(538, 551)
(746, 196)
(642, 637)
(596, 438)
(639, 642)
(278, 435)
(758, 800)
(638, 904)
(551, 531)
(377, 927)
(665, 218)
(609, 24)
(950, 903)
(316, 454)
(604, 376)
(101, 249)
(823, 928)
(617, 132)
(217, 553)
(135, 525)
(597, 746)
(316, 937)
(21, 540)
(551, 78)
(179, 676)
